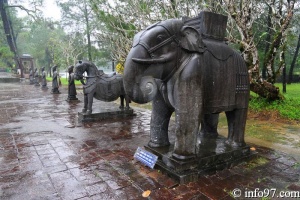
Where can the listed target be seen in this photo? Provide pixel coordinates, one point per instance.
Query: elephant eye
(160, 38)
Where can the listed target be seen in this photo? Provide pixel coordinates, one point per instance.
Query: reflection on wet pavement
(46, 154)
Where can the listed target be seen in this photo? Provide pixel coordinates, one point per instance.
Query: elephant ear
(191, 40)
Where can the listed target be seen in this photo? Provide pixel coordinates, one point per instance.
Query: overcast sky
(50, 10)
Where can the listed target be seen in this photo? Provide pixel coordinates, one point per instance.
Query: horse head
(83, 67)
(79, 70)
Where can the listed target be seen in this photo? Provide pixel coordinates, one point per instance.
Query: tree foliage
(258, 28)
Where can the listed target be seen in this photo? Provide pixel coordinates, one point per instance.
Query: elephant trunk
(151, 61)
(141, 89)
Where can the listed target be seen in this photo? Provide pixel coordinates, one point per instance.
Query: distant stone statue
(71, 87)
(44, 81)
(55, 81)
(36, 77)
(31, 77)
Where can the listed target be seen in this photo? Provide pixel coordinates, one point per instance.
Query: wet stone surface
(46, 154)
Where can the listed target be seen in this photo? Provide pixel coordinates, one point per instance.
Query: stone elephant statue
(184, 65)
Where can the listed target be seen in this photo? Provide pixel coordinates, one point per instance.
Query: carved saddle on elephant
(222, 60)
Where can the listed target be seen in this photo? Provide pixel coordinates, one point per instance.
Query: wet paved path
(46, 154)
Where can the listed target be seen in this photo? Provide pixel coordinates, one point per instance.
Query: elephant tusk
(150, 61)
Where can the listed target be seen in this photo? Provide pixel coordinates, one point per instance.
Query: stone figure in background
(44, 80)
(36, 77)
(185, 66)
(102, 86)
(31, 77)
(55, 80)
(71, 85)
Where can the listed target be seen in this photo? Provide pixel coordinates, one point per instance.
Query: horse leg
(89, 103)
(85, 102)
(127, 100)
(122, 102)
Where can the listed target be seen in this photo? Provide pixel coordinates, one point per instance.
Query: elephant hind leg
(127, 101)
(209, 126)
(236, 120)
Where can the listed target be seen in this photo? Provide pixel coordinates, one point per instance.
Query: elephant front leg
(159, 125)
(236, 120)
(187, 127)
(189, 109)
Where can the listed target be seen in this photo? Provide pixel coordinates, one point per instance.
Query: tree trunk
(9, 35)
(284, 80)
(283, 66)
(268, 41)
(88, 31)
(173, 4)
(279, 36)
(266, 90)
(290, 78)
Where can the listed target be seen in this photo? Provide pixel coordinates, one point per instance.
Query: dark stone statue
(71, 85)
(31, 77)
(102, 86)
(36, 77)
(185, 66)
(44, 80)
(55, 81)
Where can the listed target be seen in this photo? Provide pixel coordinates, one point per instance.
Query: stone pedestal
(55, 91)
(44, 87)
(72, 98)
(105, 113)
(213, 154)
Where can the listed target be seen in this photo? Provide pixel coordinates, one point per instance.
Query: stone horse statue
(102, 86)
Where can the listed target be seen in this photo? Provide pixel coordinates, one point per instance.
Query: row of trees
(266, 32)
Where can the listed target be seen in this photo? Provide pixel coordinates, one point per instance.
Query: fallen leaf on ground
(252, 149)
(146, 193)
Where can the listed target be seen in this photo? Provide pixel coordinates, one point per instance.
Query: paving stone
(132, 192)
(162, 193)
(69, 188)
(213, 192)
(96, 188)
(286, 160)
(85, 175)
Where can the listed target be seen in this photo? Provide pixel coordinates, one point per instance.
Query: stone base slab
(105, 113)
(213, 154)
